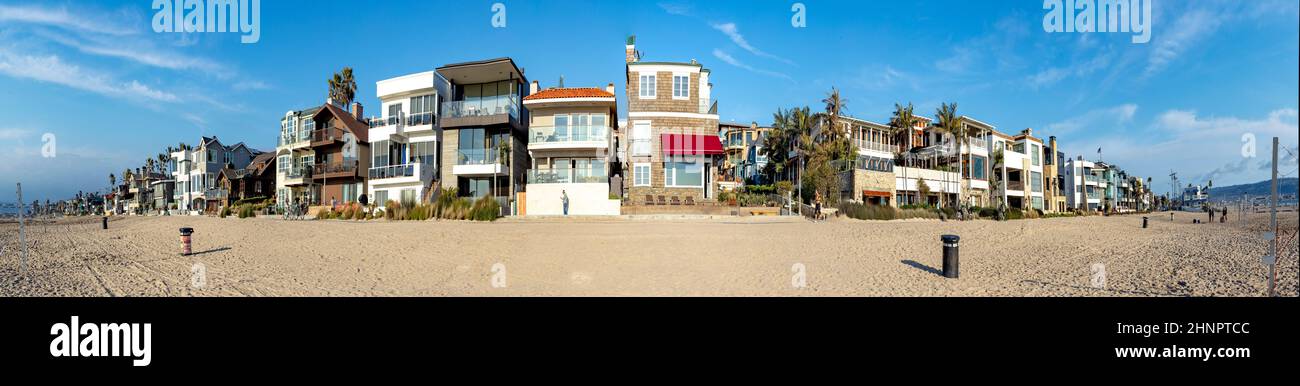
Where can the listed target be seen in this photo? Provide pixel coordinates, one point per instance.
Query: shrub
(225, 211)
(390, 209)
(881, 212)
(245, 211)
(949, 212)
(485, 209)
(783, 188)
(1015, 214)
(988, 212)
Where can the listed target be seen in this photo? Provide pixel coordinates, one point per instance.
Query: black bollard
(949, 255)
(1144, 222)
(103, 222)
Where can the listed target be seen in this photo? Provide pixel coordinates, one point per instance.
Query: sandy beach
(139, 256)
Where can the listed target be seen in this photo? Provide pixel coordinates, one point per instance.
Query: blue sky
(114, 92)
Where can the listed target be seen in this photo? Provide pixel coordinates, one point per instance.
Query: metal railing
(504, 104)
(297, 172)
(567, 176)
(877, 146)
(343, 167)
(561, 134)
(327, 134)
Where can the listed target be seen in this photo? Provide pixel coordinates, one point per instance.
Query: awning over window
(690, 144)
(874, 193)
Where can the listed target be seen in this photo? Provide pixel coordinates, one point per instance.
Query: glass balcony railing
(486, 106)
(396, 171)
(403, 119)
(298, 172)
(567, 176)
(561, 134)
(476, 156)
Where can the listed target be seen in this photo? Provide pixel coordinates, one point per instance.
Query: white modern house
(1083, 184)
(975, 161)
(570, 134)
(927, 164)
(1022, 169)
(404, 140)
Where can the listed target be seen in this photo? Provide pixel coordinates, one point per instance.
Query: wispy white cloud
(727, 58)
(14, 134)
(52, 69)
(62, 18)
(1186, 31)
(246, 85)
(1107, 118)
(141, 52)
(733, 33)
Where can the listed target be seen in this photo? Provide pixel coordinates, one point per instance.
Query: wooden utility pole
(1273, 225)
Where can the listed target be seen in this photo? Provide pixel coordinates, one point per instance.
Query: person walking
(1211, 210)
(564, 200)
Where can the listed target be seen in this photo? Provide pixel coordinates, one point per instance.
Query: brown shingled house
(342, 155)
(255, 180)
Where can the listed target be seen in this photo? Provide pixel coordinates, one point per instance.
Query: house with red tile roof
(570, 134)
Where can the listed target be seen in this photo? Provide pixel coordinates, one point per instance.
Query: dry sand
(138, 256)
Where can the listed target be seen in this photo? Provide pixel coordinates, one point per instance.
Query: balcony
(487, 111)
(326, 136)
(477, 162)
(568, 137)
(346, 169)
(568, 176)
(415, 119)
(411, 172)
(875, 146)
(1016, 186)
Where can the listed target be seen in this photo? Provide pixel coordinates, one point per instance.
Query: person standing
(564, 200)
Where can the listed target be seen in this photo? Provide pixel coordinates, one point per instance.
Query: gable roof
(350, 123)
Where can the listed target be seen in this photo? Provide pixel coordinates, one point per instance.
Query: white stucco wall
(584, 199)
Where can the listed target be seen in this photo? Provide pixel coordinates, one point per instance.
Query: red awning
(873, 193)
(690, 144)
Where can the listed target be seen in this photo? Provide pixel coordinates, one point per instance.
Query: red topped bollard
(185, 240)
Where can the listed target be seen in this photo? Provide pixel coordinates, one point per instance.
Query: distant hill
(1285, 186)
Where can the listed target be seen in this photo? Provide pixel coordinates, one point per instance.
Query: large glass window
(641, 138)
(1036, 182)
(424, 152)
(380, 151)
(1033, 150)
(681, 86)
(684, 174)
(381, 197)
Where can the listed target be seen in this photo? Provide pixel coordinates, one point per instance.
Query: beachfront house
(1053, 180)
(1083, 184)
(673, 149)
(744, 161)
(975, 162)
(195, 171)
(294, 158)
(254, 182)
(341, 150)
(570, 134)
(404, 141)
(870, 179)
(1021, 170)
(485, 130)
(927, 173)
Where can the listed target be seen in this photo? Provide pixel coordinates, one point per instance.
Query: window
(641, 174)
(394, 113)
(1037, 203)
(681, 86)
(350, 192)
(977, 168)
(641, 138)
(408, 195)
(647, 86)
(381, 150)
(684, 174)
(282, 163)
(424, 153)
(421, 110)
(1036, 182)
(381, 197)
(1033, 149)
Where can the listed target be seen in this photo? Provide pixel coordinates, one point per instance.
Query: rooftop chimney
(609, 88)
(532, 87)
(632, 56)
(356, 110)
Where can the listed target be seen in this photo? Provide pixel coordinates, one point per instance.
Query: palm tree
(901, 126)
(342, 87)
(776, 145)
(955, 125)
(996, 164)
(840, 142)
